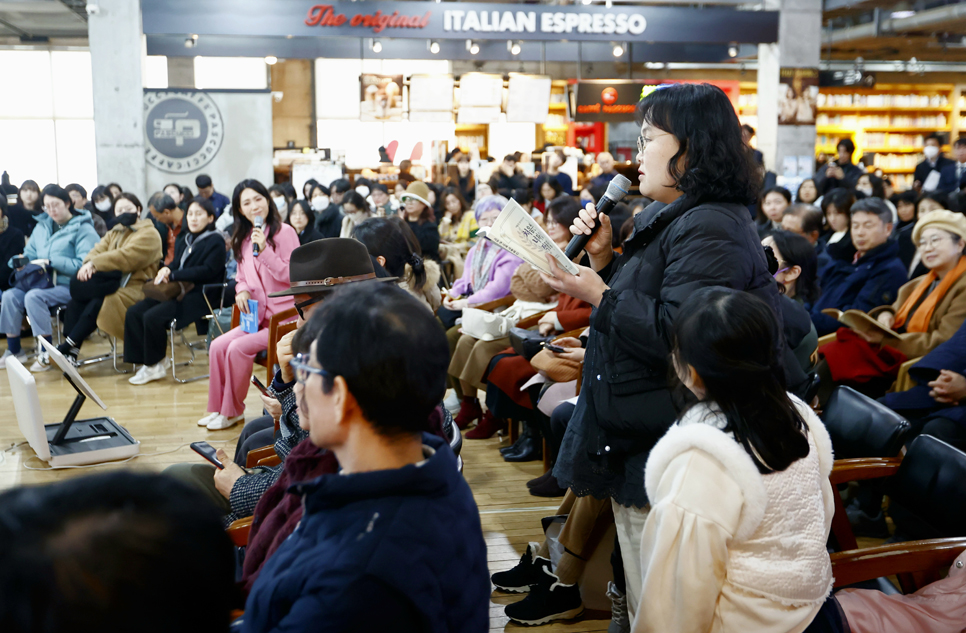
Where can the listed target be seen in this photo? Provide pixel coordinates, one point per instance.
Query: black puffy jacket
(625, 403)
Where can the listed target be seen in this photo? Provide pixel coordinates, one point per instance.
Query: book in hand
(249, 322)
(861, 322)
(515, 231)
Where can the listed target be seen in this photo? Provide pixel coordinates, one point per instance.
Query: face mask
(931, 152)
(280, 203)
(866, 190)
(320, 204)
(127, 219)
(103, 205)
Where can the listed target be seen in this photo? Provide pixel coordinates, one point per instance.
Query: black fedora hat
(327, 264)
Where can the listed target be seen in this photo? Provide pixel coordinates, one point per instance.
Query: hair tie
(415, 260)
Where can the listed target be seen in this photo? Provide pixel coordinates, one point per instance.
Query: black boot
(548, 488)
(515, 447)
(530, 451)
(526, 574)
(547, 602)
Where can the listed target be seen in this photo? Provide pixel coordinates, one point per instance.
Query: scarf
(483, 259)
(192, 240)
(923, 315)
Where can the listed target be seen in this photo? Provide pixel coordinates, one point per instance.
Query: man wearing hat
(421, 219)
(315, 270)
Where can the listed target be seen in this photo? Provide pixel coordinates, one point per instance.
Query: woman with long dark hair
(739, 486)
(694, 163)
(797, 265)
(395, 247)
(199, 259)
(301, 217)
(29, 208)
(232, 355)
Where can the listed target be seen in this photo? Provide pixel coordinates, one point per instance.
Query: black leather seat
(861, 427)
(927, 497)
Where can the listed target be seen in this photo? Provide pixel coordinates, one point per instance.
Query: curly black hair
(719, 167)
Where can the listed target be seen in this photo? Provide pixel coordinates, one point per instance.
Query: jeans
(37, 305)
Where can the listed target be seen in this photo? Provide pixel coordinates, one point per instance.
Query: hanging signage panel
(462, 20)
(609, 101)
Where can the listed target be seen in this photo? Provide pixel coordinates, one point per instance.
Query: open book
(862, 322)
(515, 231)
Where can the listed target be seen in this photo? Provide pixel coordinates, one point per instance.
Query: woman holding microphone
(260, 273)
(697, 234)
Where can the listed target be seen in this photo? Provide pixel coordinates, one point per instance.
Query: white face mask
(320, 203)
(866, 190)
(280, 203)
(103, 205)
(931, 152)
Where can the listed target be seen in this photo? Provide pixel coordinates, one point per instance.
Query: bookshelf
(890, 122)
(554, 130)
(748, 105)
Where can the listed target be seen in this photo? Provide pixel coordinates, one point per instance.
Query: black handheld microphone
(616, 191)
(258, 222)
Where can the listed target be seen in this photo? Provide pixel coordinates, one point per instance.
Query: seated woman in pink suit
(232, 355)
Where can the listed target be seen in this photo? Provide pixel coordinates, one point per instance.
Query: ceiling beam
(922, 20)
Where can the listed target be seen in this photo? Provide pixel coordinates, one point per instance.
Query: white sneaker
(208, 418)
(149, 373)
(221, 422)
(42, 363)
(22, 357)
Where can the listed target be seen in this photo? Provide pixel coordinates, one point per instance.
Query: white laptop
(88, 441)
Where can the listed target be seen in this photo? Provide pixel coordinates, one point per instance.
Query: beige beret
(954, 223)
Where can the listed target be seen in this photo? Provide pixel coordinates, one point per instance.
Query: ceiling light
(513, 47)
(191, 41)
(434, 47)
(618, 50)
(898, 15)
(586, 1)
(472, 47)
(733, 49)
(376, 46)
(271, 60)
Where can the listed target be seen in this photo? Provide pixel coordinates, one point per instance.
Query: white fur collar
(700, 428)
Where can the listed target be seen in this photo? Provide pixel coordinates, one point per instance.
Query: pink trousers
(230, 360)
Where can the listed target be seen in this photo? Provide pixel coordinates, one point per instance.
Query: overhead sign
(609, 101)
(461, 20)
(184, 129)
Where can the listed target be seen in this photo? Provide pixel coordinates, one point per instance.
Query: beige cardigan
(726, 549)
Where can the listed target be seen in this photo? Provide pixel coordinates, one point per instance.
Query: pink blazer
(268, 273)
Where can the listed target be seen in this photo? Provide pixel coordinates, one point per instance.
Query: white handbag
(485, 326)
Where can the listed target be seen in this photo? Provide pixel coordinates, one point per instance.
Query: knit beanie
(954, 223)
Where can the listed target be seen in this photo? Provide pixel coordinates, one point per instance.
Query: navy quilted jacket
(414, 532)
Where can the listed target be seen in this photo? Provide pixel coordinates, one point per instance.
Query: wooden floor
(162, 416)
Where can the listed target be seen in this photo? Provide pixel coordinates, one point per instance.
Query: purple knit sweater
(497, 287)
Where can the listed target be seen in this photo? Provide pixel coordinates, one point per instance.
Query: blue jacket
(872, 282)
(66, 248)
(219, 202)
(409, 537)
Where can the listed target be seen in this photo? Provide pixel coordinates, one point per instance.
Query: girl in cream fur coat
(741, 503)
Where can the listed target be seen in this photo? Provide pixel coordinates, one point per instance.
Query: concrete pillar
(117, 49)
(181, 72)
(799, 46)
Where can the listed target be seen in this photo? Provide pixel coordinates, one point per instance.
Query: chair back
(861, 427)
(927, 498)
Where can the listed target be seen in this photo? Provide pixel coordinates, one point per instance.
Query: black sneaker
(69, 352)
(547, 602)
(526, 574)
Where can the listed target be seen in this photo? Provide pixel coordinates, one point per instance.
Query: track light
(191, 41)
(618, 50)
(472, 47)
(271, 60)
(434, 47)
(513, 47)
(733, 49)
(376, 46)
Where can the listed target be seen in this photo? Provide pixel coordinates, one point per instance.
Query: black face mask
(127, 219)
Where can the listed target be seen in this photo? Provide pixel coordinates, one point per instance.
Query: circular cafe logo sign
(184, 130)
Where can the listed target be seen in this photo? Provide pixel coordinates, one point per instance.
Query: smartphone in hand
(556, 349)
(261, 387)
(207, 451)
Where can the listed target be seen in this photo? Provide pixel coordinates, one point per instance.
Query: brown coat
(135, 250)
(949, 314)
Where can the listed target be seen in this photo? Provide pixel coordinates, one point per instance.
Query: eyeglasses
(933, 243)
(307, 303)
(303, 370)
(642, 143)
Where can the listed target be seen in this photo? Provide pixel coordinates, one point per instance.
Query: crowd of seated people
(356, 414)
